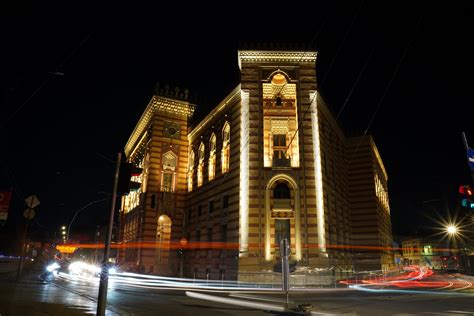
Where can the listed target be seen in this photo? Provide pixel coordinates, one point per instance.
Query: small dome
(278, 79)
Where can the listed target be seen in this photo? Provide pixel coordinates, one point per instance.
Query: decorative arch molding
(281, 177)
(278, 71)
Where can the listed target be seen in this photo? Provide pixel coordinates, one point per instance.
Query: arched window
(168, 173)
(163, 237)
(212, 157)
(190, 170)
(225, 157)
(201, 163)
(281, 191)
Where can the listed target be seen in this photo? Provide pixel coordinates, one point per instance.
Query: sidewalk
(35, 297)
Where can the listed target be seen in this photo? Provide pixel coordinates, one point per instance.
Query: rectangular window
(225, 201)
(224, 233)
(198, 235)
(190, 215)
(209, 234)
(279, 146)
(153, 201)
(199, 210)
(167, 184)
(279, 140)
(211, 206)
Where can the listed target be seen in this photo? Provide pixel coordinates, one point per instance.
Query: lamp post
(77, 213)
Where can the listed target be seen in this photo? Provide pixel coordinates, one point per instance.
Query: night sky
(75, 82)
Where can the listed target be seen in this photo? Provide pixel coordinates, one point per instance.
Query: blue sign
(470, 157)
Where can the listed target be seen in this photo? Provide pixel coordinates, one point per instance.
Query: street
(417, 293)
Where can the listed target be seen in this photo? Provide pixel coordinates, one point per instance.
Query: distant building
(269, 162)
(423, 252)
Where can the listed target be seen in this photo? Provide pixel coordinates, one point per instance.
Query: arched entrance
(282, 205)
(282, 200)
(163, 237)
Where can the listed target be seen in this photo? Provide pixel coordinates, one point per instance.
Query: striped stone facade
(268, 162)
(370, 212)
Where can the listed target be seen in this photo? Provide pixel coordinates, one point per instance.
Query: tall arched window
(168, 173)
(163, 236)
(190, 170)
(212, 157)
(225, 158)
(201, 163)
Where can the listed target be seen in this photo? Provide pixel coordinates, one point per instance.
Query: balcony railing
(282, 205)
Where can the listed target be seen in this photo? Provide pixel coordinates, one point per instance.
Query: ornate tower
(154, 214)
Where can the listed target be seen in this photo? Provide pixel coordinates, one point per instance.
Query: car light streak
(237, 302)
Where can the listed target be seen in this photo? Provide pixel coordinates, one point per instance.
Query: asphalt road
(438, 294)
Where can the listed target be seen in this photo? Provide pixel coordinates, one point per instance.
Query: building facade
(423, 252)
(269, 162)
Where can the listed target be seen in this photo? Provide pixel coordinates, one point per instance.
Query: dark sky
(60, 131)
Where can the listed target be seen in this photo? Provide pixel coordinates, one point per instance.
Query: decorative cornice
(253, 56)
(170, 106)
(377, 155)
(157, 104)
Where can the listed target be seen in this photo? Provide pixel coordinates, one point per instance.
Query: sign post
(285, 269)
(31, 201)
(5, 198)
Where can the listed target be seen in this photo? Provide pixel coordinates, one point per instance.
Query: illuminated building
(423, 252)
(268, 162)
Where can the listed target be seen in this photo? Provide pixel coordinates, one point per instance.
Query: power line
(354, 85)
(38, 89)
(389, 84)
(325, 76)
(342, 42)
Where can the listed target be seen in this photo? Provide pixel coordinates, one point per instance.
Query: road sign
(5, 198)
(66, 249)
(32, 201)
(29, 213)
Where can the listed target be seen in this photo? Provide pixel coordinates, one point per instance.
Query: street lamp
(452, 230)
(77, 213)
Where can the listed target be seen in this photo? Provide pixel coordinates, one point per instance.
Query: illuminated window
(190, 170)
(279, 146)
(169, 170)
(225, 147)
(212, 157)
(201, 163)
(280, 124)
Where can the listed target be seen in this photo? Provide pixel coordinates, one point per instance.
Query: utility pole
(32, 202)
(104, 275)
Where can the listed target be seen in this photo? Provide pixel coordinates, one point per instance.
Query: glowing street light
(452, 229)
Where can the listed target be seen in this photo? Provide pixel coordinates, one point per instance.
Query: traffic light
(467, 195)
(125, 185)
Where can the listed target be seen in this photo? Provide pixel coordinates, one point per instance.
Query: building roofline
(220, 107)
(272, 56)
(143, 122)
